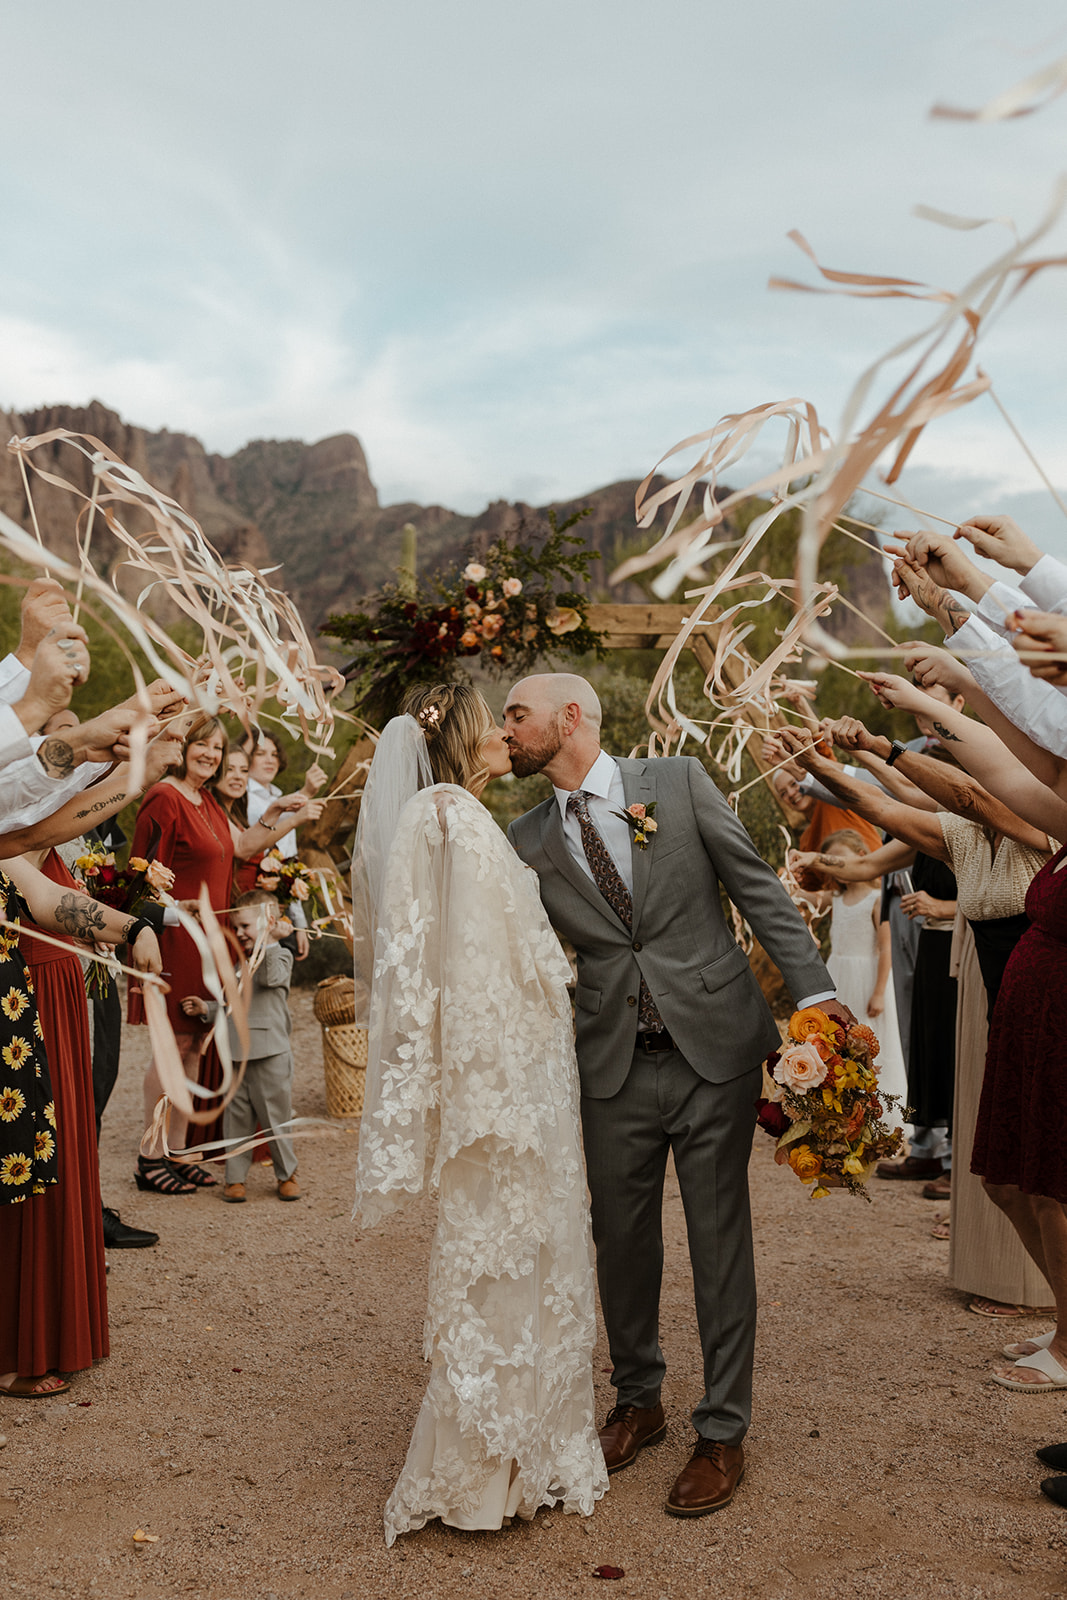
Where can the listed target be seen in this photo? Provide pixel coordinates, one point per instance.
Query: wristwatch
(895, 753)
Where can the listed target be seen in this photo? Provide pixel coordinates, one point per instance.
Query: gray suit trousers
(265, 1096)
(664, 1105)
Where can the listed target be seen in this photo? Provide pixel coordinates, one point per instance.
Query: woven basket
(344, 1061)
(335, 1001)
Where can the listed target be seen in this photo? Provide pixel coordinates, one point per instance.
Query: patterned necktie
(608, 881)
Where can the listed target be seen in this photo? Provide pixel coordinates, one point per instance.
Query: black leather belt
(651, 1043)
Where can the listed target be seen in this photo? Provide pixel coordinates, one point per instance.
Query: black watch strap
(137, 928)
(895, 753)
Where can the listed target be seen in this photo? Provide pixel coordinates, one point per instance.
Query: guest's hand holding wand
(1000, 539)
(1041, 632)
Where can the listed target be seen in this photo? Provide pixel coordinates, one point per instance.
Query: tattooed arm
(1012, 780)
(60, 910)
(94, 805)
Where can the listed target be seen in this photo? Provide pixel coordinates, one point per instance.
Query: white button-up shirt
(27, 793)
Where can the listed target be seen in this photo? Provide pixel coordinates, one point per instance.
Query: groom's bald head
(552, 719)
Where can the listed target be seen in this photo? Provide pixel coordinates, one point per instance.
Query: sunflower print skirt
(27, 1110)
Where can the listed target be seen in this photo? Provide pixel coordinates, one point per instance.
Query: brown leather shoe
(235, 1194)
(288, 1189)
(708, 1480)
(626, 1431)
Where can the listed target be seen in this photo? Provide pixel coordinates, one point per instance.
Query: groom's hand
(838, 1011)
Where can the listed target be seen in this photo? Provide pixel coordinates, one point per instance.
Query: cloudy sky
(519, 250)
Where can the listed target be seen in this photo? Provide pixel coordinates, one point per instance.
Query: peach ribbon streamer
(154, 1141)
(1021, 100)
(248, 627)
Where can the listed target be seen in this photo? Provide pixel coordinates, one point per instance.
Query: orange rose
(809, 1023)
(805, 1163)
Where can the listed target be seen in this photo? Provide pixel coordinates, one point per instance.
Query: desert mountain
(313, 511)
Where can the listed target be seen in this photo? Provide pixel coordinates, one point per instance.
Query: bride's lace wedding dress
(472, 1092)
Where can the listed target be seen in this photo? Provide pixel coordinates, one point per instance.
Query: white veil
(400, 768)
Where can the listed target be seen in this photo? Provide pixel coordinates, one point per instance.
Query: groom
(671, 1030)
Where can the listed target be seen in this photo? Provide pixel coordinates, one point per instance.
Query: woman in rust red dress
(53, 1304)
(182, 824)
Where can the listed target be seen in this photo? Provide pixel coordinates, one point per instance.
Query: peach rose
(801, 1067)
(491, 626)
(469, 640)
(512, 587)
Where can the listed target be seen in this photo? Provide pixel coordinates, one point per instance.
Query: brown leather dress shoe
(626, 1431)
(708, 1480)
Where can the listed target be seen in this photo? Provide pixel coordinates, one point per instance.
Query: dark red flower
(771, 1118)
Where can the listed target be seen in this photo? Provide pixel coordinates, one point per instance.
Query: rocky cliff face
(313, 509)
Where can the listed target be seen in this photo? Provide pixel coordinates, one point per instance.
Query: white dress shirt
(1032, 705)
(27, 793)
(603, 784)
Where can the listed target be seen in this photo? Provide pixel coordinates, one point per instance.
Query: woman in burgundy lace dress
(1020, 1142)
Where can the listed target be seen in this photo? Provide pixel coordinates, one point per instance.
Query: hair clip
(429, 718)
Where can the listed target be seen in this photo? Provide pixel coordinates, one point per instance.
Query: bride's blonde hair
(455, 720)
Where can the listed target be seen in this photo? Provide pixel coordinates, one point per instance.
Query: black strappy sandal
(160, 1178)
(192, 1172)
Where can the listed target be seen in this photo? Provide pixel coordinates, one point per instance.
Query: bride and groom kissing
(482, 1089)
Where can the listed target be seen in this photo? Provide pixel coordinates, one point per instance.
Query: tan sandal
(997, 1308)
(27, 1388)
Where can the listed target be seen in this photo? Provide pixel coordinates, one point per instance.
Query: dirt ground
(265, 1374)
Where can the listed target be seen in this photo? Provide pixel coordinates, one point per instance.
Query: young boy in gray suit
(265, 1092)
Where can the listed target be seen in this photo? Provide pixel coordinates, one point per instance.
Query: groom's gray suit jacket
(680, 942)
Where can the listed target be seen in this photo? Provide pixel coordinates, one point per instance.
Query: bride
(472, 1093)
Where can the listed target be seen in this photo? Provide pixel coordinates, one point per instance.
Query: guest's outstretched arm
(985, 756)
(918, 828)
(946, 785)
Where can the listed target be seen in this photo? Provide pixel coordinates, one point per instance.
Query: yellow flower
(137, 864)
(44, 1146)
(15, 1170)
(819, 1193)
(50, 1112)
(855, 1166)
(12, 1104)
(805, 1163)
(17, 1053)
(14, 1003)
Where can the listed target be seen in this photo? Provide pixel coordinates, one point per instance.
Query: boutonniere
(641, 820)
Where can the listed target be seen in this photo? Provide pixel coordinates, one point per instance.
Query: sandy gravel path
(265, 1374)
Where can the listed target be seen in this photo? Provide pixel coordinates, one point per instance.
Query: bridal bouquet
(123, 888)
(821, 1103)
(288, 879)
